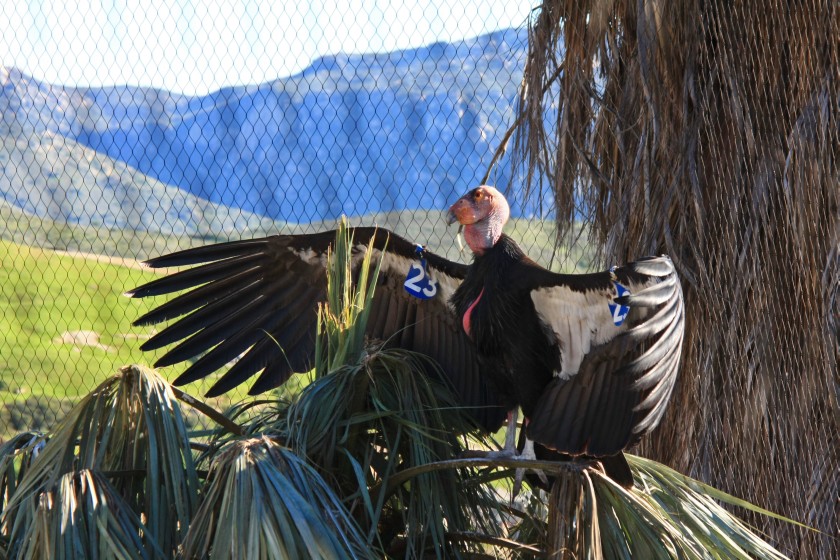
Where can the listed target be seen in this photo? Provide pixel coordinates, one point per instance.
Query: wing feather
(181, 305)
(204, 330)
(407, 332)
(195, 276)
(613, 382)
(209, 253)
(378, 314)
(254, 303)
(653, 357)
(288, 340)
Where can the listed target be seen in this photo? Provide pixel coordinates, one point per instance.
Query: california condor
(591, 359)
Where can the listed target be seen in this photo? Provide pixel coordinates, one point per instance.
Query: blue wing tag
(417, 282)
(619, 312)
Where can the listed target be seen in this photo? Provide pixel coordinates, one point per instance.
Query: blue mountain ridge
(351, 134)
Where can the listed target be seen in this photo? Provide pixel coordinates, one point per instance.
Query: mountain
(351, 134)
(50, 176)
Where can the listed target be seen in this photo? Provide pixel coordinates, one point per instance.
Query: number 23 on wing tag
(417, 282)
(619, 312)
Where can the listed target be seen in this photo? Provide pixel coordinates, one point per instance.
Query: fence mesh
(95, 179)
(709, 132)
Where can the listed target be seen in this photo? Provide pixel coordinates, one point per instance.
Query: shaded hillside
(354, 134)
(50, 176)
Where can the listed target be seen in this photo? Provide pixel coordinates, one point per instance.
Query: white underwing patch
(579, 321)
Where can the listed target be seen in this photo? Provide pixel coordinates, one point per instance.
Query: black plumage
(622, 384)
(538, 340)
(505, 325)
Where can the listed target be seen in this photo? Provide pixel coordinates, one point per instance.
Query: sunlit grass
(64, 323)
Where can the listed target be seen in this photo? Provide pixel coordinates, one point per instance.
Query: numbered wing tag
(418, 283)
(619, 312)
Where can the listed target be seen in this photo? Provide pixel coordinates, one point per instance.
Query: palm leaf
(16, 456)
(265, 502)
(85, 517)
(366, 422)
(130, 428)
(587, 515)
(342, 321)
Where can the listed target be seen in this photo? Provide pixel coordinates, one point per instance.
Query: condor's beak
(451, 218)
(455, 210)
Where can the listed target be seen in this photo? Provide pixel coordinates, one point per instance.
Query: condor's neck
(484, 235)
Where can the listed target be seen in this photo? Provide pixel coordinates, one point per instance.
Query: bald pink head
(483, 212)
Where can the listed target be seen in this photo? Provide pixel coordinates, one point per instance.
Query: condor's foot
(526, 455)
(509, 450)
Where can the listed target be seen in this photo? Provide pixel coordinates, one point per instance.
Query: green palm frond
(84, 517)
(265, 502)
(342, 321)
(16, 456)
(130, 428)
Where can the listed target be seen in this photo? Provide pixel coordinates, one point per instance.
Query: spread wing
(256, 302)
(613, 382)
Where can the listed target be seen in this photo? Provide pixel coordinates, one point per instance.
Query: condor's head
(483, 212)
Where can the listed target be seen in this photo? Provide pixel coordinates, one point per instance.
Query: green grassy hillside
(45, 297)
(65, 327)
(47, 174)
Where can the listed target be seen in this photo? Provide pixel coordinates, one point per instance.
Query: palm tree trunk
(710, 131)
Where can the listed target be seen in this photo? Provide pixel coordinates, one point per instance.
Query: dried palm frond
(16, 456)
(85, 517)
(673, 516)
(711, 131)
(587, 515)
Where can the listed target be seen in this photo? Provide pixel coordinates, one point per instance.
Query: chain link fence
(707, 132)
(94, 180)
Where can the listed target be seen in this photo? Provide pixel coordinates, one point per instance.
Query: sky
(198, 46)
